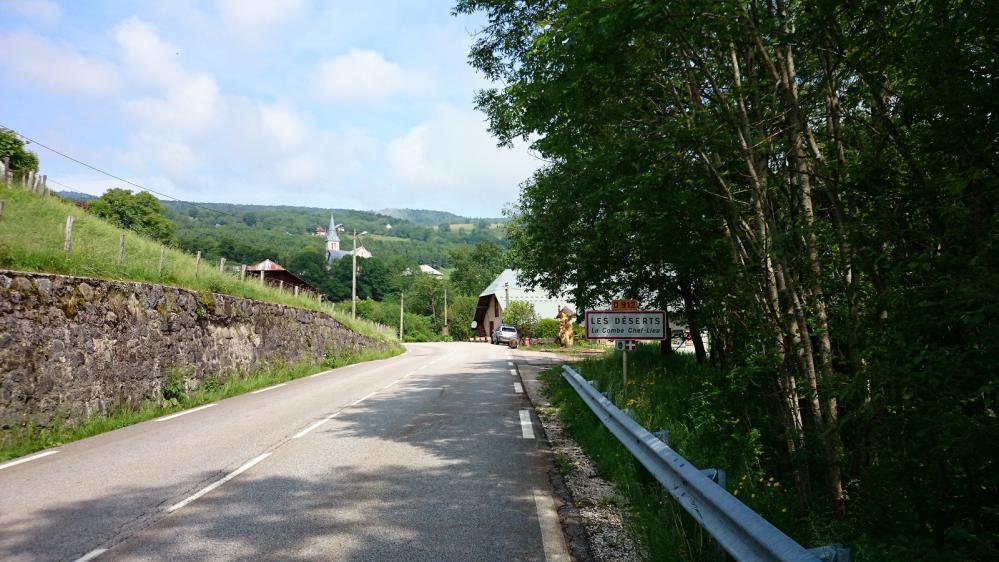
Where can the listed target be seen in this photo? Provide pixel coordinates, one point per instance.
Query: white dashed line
(525, 424)
(268, 388)
(315, 425)
(363, 398)
(184, 413)
(393, 383)
(518, 388)
(513, 372)
(26, 459)
(509, 363)
(91, 555)
(214, 485)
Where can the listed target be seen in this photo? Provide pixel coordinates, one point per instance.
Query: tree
(139, 212)
(809, 182)
(521, 315)
(476, 267)
(13, 148)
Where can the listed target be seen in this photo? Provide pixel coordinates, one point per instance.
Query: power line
(110, 175)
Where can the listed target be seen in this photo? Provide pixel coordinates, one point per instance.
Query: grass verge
(28, 439)
(708, 424)
(31, 239)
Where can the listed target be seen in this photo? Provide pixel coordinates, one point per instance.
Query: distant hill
(75, 195)
(424, 216)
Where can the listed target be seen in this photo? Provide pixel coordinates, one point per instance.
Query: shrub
(546, 328)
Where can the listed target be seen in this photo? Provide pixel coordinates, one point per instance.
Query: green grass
(31, 239)
(701, 409)
(30, 438)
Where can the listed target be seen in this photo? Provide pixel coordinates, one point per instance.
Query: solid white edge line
(552, 540)
(518, 388)
(184, 413)
(322, 373)
(91, 555)
(526, 427)
(26, 459)
(315, 425)
(268, 388)
(218, 483)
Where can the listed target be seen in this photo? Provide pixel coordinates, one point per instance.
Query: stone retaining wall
(79, 346)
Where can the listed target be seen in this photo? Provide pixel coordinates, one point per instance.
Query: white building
(506, 289)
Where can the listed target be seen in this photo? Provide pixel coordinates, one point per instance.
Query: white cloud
(452, 160)
(146, 56)
(42, 10)
(365, 76)
(254, 19)
(57, 67)
(190, 107)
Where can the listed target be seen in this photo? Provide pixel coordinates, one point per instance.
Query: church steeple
(332, 240)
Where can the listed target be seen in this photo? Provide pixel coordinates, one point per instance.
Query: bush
(546, 328)
(521, 315)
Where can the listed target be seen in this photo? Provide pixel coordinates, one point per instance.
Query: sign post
(625, 324)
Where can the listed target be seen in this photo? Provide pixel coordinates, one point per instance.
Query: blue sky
(362, 105)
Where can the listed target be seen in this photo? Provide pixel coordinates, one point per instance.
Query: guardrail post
(716, 475)
(662, 435)
(831, 553)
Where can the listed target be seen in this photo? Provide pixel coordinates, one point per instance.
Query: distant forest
(250, 233)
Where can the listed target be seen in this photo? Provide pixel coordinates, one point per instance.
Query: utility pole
(445, 311)
(353, 280)
(402, 305)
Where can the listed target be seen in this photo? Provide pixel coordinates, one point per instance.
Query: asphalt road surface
(432, 455)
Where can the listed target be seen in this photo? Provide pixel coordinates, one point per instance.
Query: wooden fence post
(1, 208)
(222, 265)
(280, 281)
(242, 272)
(68, 240)
(45, 184)
(296, 290)
(197, 264)
(121, 248)
(261, 276)
(159, 270)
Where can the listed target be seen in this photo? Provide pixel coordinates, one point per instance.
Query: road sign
(621, 324)
(624, 304)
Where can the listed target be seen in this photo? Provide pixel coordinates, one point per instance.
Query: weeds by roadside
(708, 425)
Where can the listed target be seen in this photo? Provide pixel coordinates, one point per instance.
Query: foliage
(814, 185)
(475, 268)
(13, 148)
(709, 424)
(140, 212)
(521, 315)
(546, 328)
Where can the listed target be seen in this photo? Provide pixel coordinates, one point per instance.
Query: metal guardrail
(738, 530)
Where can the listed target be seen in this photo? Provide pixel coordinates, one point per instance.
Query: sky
(321, 103)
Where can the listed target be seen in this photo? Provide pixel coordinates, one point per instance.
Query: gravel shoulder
(590, 501)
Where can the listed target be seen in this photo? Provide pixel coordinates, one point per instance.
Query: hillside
(251, 233)
(32, 237)
(429, 217)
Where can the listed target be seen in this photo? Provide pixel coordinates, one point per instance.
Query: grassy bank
(710, 424)
(28, 439)
(31, 239)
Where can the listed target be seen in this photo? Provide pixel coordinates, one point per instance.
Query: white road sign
(632, 324)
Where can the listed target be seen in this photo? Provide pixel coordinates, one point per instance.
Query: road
(432, 455)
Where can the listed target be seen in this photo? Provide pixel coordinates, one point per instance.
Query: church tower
(332, 242)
